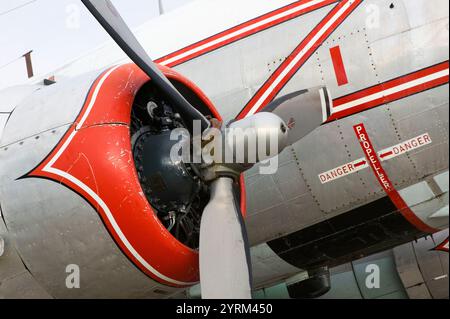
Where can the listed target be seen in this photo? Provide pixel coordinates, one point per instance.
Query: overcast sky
(58, 31)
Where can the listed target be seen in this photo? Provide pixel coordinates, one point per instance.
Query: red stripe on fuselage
(214, 42)
(384, 87)
(338, 65)
(280, 77)
(178, 59)
(385, 182)
(391, 83)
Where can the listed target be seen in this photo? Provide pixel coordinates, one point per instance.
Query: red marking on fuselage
(359, 164)
(386, 154)
(443, 246)
(242, 31)
(255, 25)
(298, 57)
(385, 182)
(338, 65)
(386, 92)
(209, 44)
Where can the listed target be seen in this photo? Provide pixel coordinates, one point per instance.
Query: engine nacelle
(68, 169)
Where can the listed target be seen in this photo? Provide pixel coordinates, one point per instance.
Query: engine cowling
(78, 144)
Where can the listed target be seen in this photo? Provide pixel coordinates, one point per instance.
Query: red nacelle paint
(95, 159)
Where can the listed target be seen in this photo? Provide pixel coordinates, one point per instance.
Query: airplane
(356, 91)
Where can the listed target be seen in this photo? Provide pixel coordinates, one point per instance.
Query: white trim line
(299, 56)
(323, 104)
(393, 90)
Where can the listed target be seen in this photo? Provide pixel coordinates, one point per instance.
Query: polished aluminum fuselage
(46, 226)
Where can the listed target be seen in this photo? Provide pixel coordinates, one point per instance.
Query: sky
(58, 31)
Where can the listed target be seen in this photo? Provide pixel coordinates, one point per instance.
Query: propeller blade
(302, 111)
(107, 15)
(224, 252)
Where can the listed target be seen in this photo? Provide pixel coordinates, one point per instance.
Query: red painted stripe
(386, 154)
(359, 164)
(389, 98)
(296, 52)
(442, 246)
(385, 182)
(391, 83)
(338, 65)
(244, 34)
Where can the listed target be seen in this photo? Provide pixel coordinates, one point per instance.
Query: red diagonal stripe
(391, 83)
(391, 97)
(277, 75)
(443, 246)
(240, 36)
(385, 182)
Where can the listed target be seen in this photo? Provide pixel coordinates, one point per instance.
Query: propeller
(225, 268)
(107, 15)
